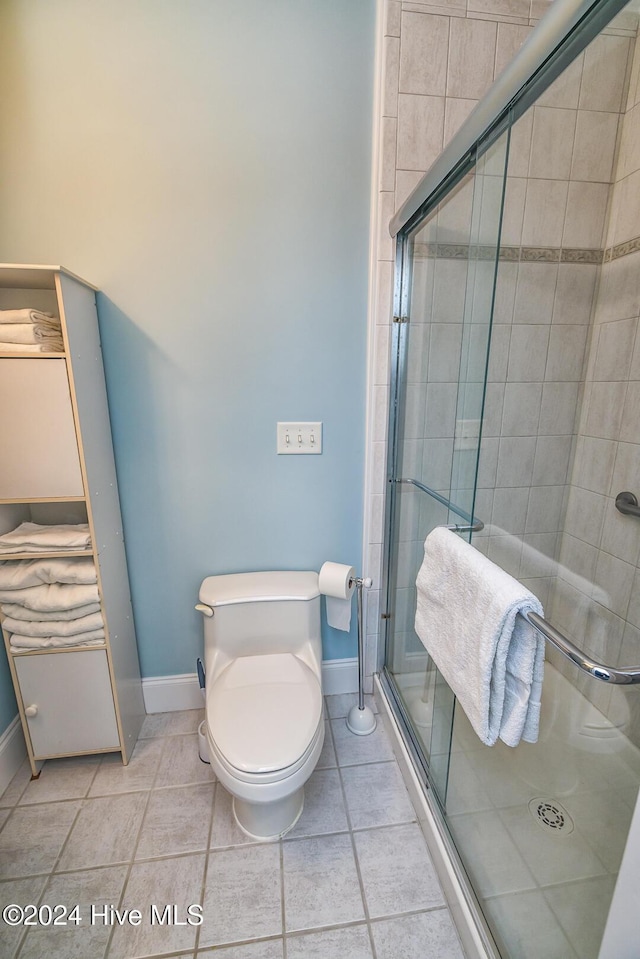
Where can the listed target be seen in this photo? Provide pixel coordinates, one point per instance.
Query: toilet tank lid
(259, 587)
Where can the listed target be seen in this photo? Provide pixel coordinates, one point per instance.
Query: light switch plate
(299, 438)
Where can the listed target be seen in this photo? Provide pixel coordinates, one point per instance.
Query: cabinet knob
(31, 711)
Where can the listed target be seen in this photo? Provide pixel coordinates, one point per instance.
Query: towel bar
(627, 503)
(606, 674)
(474, 524)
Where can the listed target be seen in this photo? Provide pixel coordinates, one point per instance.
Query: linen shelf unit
(57, 467)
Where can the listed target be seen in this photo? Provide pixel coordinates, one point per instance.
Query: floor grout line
(208, 851)
(133, 854)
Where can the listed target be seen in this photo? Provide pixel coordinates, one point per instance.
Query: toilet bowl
(264, 722)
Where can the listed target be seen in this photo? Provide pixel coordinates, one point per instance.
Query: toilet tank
(259, 613)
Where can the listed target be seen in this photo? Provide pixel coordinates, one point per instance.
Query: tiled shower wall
(561, 166)
(601, 545)
(438, 60)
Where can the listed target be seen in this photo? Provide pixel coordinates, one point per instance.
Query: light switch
(299, 438)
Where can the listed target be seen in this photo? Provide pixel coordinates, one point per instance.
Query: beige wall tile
(620, 537)
(535, 293)
(510, 38)
(566, 353)
(456, 112)
(630, 427)
(552, 143)
(615, 348)
(632, 96)
(565, 91)
(392, 15)
(585, 216)
(558, 408)
(603, 77)
(506, 8)
(575, 288)
(594, 146)
(386, 209)
(450, 7)
(406, 182)
(472, 48)
(390, 76)
(388, 151)
(624, 222)
(605, 409)
(629, 156)
(424, 49)
(619, 293)
(544, 212)
(520, 145)
(420, 131)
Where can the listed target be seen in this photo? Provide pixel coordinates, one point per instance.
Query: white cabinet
(57, 467)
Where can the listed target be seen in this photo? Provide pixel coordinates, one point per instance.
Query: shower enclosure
(515, 417)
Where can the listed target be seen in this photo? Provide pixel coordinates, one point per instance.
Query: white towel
(27, 316)
(6, 347)
(51, 596)
(492, 658)
(93, 638)
(56, 627)
(29, 333)
(34, 572)
(32, 537)
(16, 611)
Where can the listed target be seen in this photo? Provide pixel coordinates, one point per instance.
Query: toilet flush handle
(205, 610)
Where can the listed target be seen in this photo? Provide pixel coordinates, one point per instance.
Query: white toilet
(264, 718)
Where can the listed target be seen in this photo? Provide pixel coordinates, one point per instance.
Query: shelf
(49, 554)
(10, 501)
(27, 354)
(52, 649)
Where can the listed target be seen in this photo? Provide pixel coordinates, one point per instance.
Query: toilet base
(269, 821)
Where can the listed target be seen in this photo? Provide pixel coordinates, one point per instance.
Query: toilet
(264, 722)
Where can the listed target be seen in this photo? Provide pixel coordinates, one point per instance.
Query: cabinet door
(38, 444)
(72, 693)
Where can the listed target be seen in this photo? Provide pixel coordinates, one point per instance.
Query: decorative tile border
(622, 249)
(525, 254)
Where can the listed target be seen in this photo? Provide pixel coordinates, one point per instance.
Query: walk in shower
(515, 415)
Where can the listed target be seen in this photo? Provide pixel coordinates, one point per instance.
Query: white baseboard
(167, 694)
(340, 676)
(12, 752)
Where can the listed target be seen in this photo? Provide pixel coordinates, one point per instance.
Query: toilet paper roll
(337, 583)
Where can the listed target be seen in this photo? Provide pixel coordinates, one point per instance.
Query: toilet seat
(264, 716)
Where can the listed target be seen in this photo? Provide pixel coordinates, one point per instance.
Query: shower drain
(551, 816)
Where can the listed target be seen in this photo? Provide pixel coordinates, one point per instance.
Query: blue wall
(207, 166)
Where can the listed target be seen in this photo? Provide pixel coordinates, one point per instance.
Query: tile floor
(353, 879)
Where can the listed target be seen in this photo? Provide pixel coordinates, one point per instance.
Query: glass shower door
(442, 328)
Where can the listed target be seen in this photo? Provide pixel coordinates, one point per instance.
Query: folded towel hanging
(35, 572)
(492, 658)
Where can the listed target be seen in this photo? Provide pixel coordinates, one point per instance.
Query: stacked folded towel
(30, 331)
(51, 602)
(33, 538)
